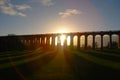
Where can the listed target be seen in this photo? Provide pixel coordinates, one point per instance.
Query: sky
(22, 17)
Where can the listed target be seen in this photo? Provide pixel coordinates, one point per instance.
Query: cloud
(69, 12)
(8, 8)
(1, 2)
(23, 7)
(22, 14)
(44, 2)
(47, 2)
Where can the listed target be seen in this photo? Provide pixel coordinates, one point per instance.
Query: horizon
(41, 16)
(59, 33)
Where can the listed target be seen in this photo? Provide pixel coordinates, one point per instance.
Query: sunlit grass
(97, 60)
(101, 52)
(59, 62)
(36, 55)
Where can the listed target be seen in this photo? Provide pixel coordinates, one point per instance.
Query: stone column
(71, 40)
(110, 46)
(101, 41)
(86, 36)
(93, 44)
(78, 41)
(53, 40)
(48, 40)
(31, 41)
(40, 41)
(65, 42)
(118, 40)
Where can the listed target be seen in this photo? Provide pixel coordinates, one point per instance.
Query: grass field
(60, 64)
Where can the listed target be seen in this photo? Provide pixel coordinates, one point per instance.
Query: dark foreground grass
(60, 64)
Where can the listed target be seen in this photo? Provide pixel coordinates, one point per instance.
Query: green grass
(37, 54)
(60, 63)
(108, 63)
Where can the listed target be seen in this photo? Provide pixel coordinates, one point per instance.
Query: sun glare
(62, 38)
(62, 31)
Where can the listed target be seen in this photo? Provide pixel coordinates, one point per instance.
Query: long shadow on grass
(103, 54)
(87, 70)
(23, 70)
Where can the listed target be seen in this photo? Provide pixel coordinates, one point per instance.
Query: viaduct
(18, 41)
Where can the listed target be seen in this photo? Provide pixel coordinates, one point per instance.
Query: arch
(115, 37)
(68, 40)
(75, 40)
(82, 39)
(63, 40)
(115, 41)
(90, 41)
(45, 40)
(106, 41)
(98, 41)
(56, 40)
(50, 40)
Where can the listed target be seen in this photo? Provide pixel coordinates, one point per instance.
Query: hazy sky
(48, 16)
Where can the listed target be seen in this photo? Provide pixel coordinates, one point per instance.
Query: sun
(62, 31)
(62, 39)
(63, 36)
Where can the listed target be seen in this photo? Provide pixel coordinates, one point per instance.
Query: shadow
(26, 70)
(87, 70)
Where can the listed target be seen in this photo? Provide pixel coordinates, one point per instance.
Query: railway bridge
(18, 41)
